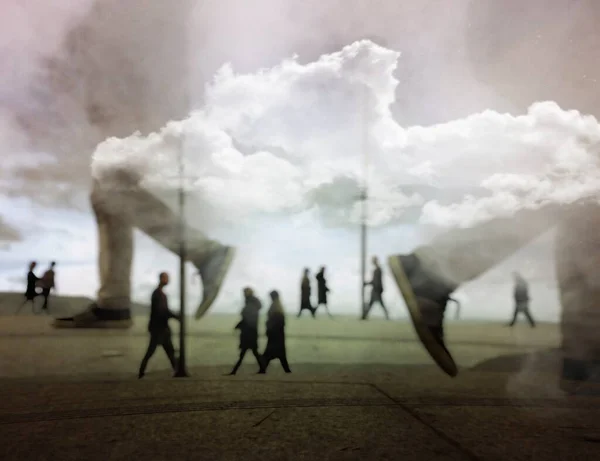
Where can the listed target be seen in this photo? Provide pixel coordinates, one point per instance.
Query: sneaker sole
(441, 356)
(207, 302)
(100, 324)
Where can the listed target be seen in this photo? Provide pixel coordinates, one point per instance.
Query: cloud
(8, 233)
(322, 115)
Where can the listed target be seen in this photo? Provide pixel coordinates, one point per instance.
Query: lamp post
(363, 198)
(181, 363)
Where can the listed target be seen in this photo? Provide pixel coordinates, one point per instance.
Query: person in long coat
(305, 292)
(275, 334)
(322, 290)
(248, 327)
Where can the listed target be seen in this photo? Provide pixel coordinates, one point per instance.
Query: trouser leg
(239, 362)
(284, 364)
(154, 341)
(461, 255)
(170, 350)
(577, 263)
(258, 359)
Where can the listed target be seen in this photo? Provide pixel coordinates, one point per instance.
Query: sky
(473, 102)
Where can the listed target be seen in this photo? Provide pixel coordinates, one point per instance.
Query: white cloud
(309, 125)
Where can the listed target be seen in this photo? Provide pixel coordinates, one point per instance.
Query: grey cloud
(127, 66)
(8, 233)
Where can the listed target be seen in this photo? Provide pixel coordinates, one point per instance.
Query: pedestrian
(248, 327)
(521, 297)
(48, 283)
(305, 292)
(376, 290)
(31, 290)
(275, 334)
(322, 291)
(158, 326)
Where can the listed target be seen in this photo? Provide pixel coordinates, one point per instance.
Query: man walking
(376, 290)
(48, 284)
(521, 295)
(160, 333)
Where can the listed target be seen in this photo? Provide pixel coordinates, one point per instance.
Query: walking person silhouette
(248, 327)
(275, 334)
(158, 326)
(322, 291)
(48, 283)
(305, 292)
(31, 290)
(376, 290)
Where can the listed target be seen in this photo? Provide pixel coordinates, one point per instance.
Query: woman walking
(275, 334)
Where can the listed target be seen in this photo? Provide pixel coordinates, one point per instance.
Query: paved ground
(358, 391)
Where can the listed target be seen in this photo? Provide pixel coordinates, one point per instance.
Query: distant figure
(305, 295)
(248, 327)
(322, 290)
(376, 290)
(47, 283)
(30, 291)
(158, 326)
(275, 335)
(521, 295)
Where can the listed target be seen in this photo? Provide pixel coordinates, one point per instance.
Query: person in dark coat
(31, 289)
(248, 327)
(376, 290)
(48, 284)
(158, 326)
(521, 296)
(275, 334)
(305, 291)
(322, 290)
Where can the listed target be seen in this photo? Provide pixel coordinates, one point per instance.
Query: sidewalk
(358, 391)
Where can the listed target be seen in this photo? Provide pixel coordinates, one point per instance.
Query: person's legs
(385, 311)
(259, 360)
(368, 307)
(428, 276)
(577, 262)
(524, 308)
(284, 363)
(529, 317)
(119, 204)
(266, 361)
(112, 308)
(154, 341)
(239, 362)
(167, 345)
(514, 318)
(46, 295)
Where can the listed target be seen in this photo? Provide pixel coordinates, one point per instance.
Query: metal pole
(364, 195)
(181, 365)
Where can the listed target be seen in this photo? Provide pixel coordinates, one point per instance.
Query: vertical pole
(363, 197)
(181, 363)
